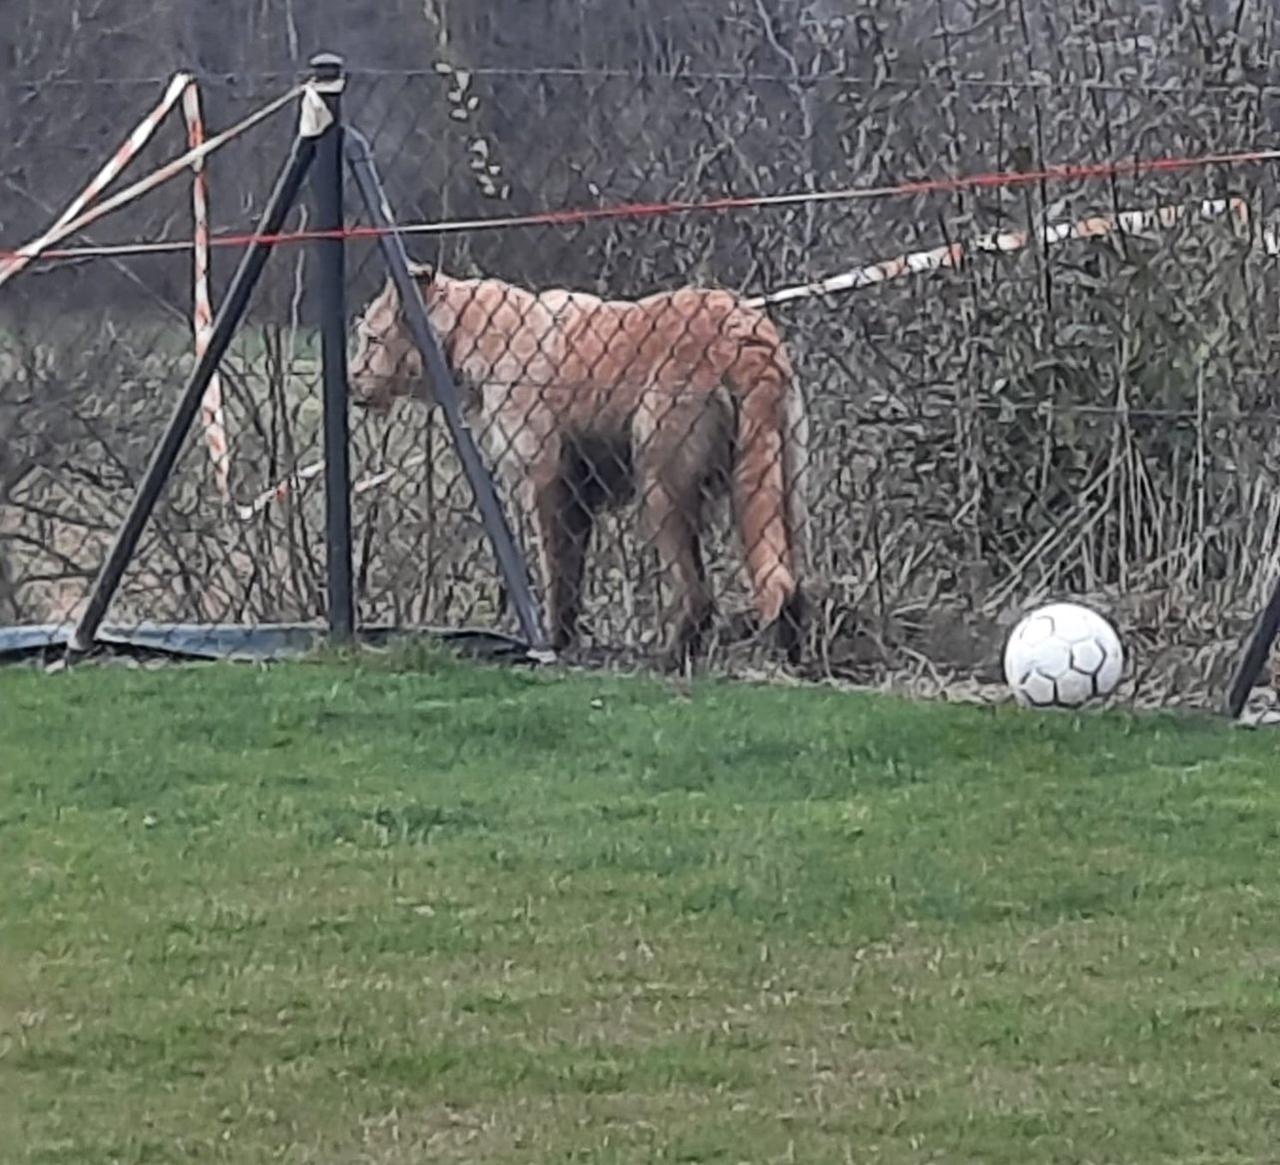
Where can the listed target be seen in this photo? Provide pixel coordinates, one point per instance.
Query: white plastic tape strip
(313, 114)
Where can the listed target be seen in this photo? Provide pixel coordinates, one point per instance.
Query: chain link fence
(1076, 416)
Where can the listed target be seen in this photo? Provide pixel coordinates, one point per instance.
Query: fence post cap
(326, 66)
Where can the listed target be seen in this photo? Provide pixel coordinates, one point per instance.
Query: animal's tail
(770, 475)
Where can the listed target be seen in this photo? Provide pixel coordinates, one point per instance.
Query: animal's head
(386, 363)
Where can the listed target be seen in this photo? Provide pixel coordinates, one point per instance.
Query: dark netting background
(1092, 418)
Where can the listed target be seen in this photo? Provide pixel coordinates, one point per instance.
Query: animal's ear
(387, 302)
(423, 272)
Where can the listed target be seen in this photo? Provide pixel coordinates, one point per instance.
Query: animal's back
(684, 340)
(676, 389)
(499, 334)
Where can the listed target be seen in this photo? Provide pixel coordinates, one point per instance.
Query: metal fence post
(330, 253)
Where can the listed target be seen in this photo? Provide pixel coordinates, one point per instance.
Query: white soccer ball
(1062, 656)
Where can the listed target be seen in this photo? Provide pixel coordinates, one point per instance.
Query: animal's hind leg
(674, 533)
(672, 455)
(793, 622)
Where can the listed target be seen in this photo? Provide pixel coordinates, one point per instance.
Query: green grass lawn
(410, 911)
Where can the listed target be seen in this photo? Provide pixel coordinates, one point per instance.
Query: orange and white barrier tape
(211, 414)
(71, 226)
(125, 153)
(294, 484)
(81, 212)
(1129, 222)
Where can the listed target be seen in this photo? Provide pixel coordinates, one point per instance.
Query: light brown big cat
(588, 403)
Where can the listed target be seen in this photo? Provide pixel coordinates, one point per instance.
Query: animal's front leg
(564, 530)
(522, 439)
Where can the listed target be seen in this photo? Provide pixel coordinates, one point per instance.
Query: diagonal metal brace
(166, 452)
(511, 561)
(1257, 650)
